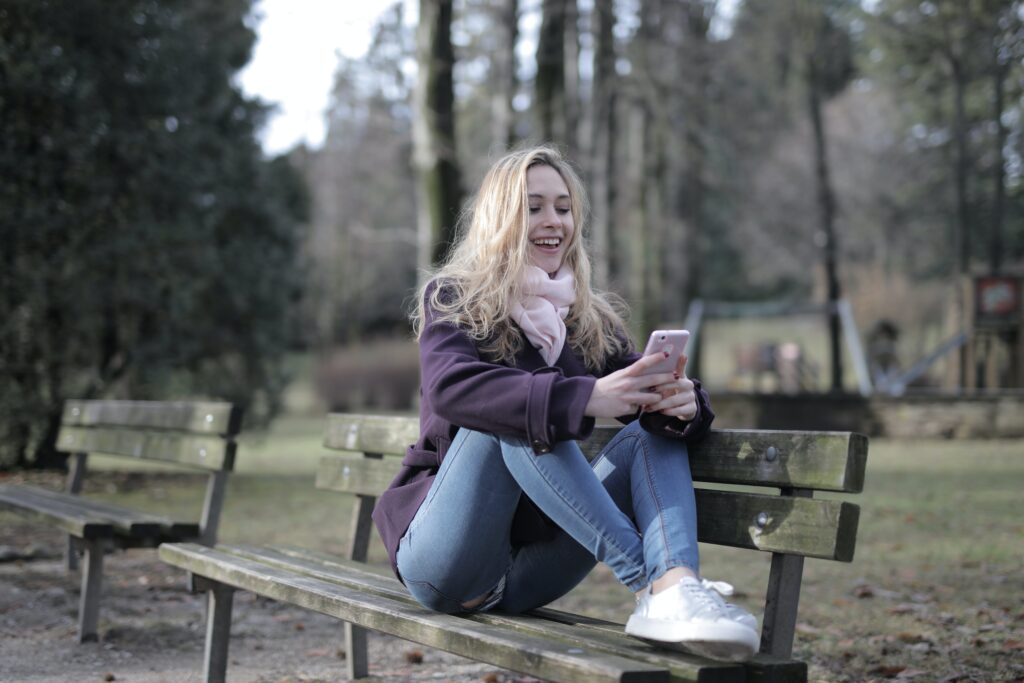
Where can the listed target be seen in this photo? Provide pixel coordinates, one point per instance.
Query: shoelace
(703, 596)
(721, 587)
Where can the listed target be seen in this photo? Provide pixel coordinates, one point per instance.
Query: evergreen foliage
(148, 248)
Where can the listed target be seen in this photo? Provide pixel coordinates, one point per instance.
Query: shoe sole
(723, 641)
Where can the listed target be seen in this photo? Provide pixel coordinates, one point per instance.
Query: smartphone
(671, 341)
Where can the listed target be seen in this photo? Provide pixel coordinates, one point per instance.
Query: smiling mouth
(549, 242)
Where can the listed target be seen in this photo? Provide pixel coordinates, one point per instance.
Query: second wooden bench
(195, 435)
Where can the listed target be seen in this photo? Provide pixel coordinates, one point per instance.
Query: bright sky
(295, 57)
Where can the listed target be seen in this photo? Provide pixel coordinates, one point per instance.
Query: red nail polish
(666, 354)
(676, 375)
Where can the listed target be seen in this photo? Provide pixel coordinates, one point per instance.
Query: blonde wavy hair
(483, 274)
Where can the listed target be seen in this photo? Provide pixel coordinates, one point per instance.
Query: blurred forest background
(781, 151)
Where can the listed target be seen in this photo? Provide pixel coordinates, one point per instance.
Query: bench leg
(92, 586)
(218, 632)
(782, 601)
(356, 661)
(71, 554)
(356, 658)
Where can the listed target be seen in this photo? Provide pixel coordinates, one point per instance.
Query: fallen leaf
(903, 608)
(863, 591)
(1013, 645)
(888, 671)
(806, 629)
(490, 677)
(109, 677)
(908, 637)
(414, 656)
(318, 652)
(299, 626)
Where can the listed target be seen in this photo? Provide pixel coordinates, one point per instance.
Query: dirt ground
(152, 630)
(933, 596)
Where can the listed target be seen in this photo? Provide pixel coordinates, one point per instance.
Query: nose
(550, 217)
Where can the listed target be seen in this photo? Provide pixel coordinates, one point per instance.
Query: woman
(495, 506)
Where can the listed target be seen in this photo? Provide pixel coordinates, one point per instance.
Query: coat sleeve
(542, 406)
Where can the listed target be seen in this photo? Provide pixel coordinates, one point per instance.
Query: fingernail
(676, 375)
(666, 354)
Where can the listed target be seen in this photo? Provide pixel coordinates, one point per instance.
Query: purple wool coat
(528, 398)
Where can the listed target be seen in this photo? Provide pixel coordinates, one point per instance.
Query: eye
(562, 211)
(534, 209)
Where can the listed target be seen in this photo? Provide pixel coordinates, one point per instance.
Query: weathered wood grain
(827, 461)
(74, 521)
(201, 417)
(204, 452)
(125, 520)
(826, 529)
(583, 631)
(543, 658)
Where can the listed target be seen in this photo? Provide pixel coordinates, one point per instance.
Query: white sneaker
(687, 615)
(721, 589)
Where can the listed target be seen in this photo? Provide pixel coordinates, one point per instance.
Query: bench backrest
(797, 462)
(197, 434)
(192, 434)
(779, 516)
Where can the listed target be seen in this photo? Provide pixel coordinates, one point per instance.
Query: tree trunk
(635, 236)
(603, 145)
(550, 84)
(696, 58)
(571, 61)
(503, 129)
(439, 192)
(827, 211)
(961, 169)
(999, 172)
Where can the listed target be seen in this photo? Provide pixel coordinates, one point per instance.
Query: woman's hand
(677, 397)
(623, 391)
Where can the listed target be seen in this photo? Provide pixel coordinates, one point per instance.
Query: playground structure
(986, 353)
(785, 361)
(992, 353)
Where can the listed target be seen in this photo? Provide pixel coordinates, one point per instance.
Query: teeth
(548, 242)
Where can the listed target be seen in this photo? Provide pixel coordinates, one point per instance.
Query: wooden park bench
(194, 435)
(546, 643)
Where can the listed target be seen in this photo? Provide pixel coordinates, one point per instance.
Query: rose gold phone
(671, 341)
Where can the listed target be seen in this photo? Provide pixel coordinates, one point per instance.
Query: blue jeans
(634, 510)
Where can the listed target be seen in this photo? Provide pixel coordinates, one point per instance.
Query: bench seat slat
(124, 520)
(505, 647)
(813, 528)
(605, 635)
(74, 521)
(827, 461)
(206, 452)
(201, 417)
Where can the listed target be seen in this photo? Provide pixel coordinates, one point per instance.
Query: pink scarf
(541, 312)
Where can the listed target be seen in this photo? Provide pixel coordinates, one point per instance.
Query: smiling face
(551, 222)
